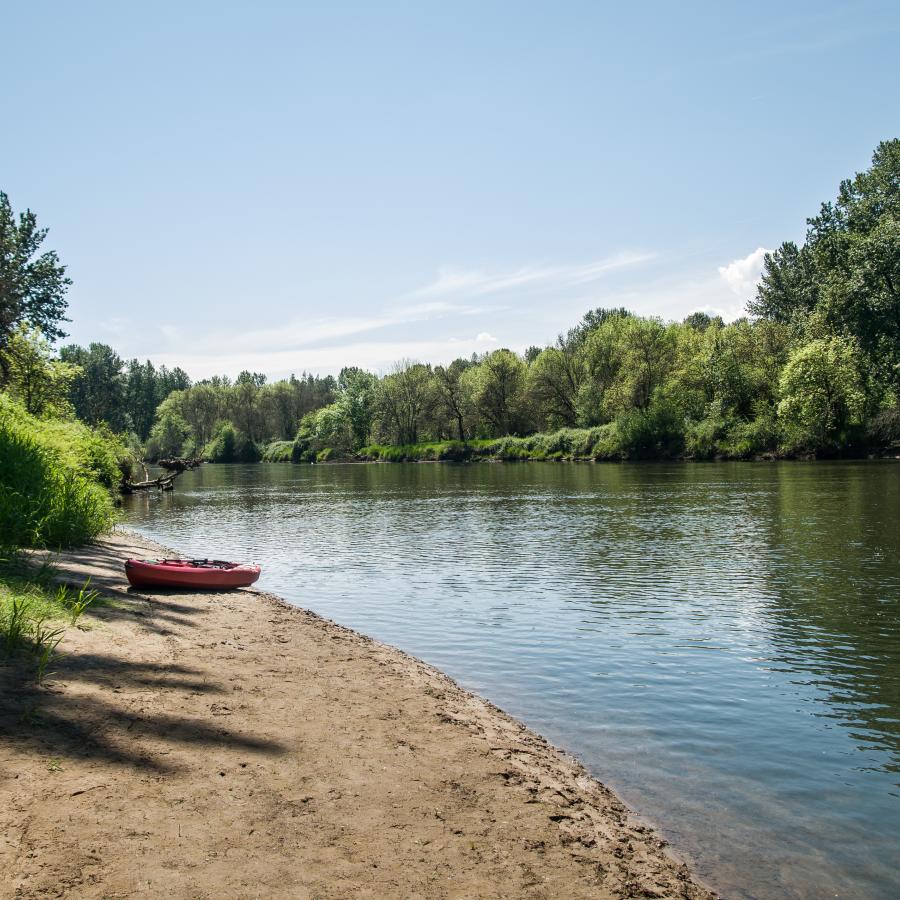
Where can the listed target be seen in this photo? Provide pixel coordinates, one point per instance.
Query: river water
(720, 643)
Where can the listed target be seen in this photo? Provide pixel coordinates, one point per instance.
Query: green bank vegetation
(813, 370)
(57, 474)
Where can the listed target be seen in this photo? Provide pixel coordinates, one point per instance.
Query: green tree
(554, 381)
(822, 392)
(497, 387)
(454, 403)
(356, 403)
(40, 382)
(33, 285)
(170, 436)
(99, 390)
(846, 277)
(404, 399)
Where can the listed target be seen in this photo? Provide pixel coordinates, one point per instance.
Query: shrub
(229, 444)
(883, 431)
(278, 451)
(653, 433)
(54, 479)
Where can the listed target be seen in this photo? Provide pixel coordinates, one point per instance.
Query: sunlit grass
(34, 613)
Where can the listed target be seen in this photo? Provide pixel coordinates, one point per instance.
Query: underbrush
(230, 444)
(34, 614)
(432, 451)
(56, 478)
(278, 451)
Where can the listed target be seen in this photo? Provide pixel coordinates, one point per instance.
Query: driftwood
(174, 467)
(179, 463)
(163, 483)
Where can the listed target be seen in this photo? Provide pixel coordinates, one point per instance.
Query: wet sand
(231, 745)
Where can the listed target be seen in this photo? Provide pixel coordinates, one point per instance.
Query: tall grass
(278, 451)
(55, 479)
(34, 614)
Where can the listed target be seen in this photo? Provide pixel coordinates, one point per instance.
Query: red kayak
(190, 573)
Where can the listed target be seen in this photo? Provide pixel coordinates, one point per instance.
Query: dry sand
(230, 745)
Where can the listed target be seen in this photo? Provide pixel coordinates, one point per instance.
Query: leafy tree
(404, 399)
(170, 436)
(454, 402)
(497, 386)
(356, 403)
(554, 380)
(37, 380)
(822, 392)
(33, 285)
(700, 321)
(99, 390)
(846, 278)
(141, 396)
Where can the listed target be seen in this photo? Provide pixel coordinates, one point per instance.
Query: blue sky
(288, 187)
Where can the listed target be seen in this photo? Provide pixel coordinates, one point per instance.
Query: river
(719, 643)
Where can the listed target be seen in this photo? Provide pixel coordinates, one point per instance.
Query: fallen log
(179, 463)
(163, 483)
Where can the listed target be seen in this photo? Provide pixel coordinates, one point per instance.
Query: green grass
(56, 478)
(34, 614)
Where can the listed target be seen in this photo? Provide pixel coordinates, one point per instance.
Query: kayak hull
(186, 573)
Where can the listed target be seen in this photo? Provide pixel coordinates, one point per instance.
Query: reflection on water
(718, 642)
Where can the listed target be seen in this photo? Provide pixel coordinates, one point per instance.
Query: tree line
(813, 369)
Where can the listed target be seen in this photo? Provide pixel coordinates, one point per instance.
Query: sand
(231, 745)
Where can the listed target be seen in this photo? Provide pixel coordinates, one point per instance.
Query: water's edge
(580, 769)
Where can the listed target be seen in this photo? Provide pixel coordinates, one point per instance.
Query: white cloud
(485, 338)
(742, 275)
(723, 292)
(476, 283)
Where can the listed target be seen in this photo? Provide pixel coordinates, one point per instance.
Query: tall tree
(98, 391)
(33, 285)
(845, 280)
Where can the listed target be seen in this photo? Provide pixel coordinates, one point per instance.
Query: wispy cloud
(475, 283)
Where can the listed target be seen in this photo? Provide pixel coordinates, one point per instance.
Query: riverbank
(233, 745)
(565, 445)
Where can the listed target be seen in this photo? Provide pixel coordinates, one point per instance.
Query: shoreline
(233, 744)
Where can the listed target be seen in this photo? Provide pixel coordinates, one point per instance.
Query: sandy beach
(231, 745)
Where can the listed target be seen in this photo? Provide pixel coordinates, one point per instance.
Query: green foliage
(54, 479)
(845, 280)
(883, 430)
(170, 436)
(278, 451)
(822, 393)
(817, 370)
(32, 616)
(33, 285)
(402, 399)
(229, 444)
(496, 386)
(36, 379)
(656, 432)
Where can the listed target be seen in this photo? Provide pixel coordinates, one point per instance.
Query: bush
(229, 444)
(653, 433)
(883, 431)
(55, 477)
(278, 451)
